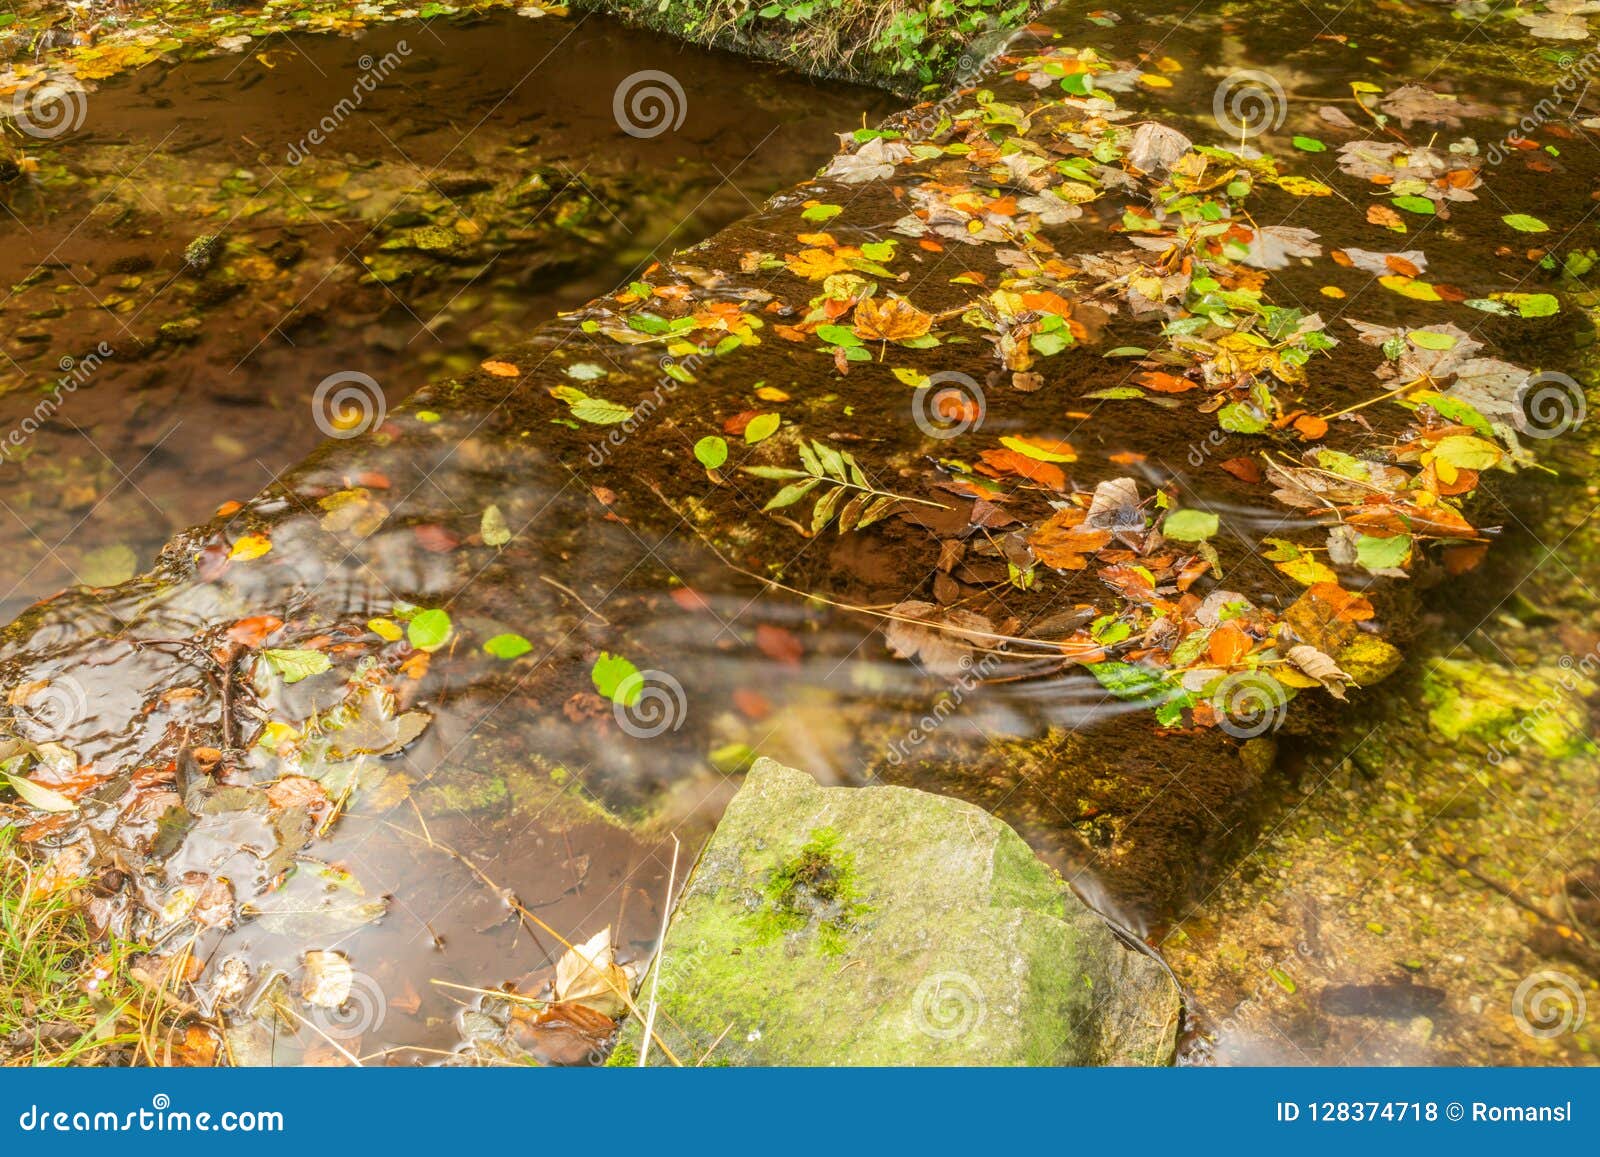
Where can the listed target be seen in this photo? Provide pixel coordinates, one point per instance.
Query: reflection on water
(179, 277)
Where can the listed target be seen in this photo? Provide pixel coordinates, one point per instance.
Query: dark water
(525, 783)
(473, 182)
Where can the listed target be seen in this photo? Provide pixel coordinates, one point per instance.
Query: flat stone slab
(888, 926)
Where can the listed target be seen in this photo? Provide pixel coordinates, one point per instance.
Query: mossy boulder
(887, 926)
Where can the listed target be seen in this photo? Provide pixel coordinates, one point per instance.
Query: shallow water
(473, 182)
(521, 780)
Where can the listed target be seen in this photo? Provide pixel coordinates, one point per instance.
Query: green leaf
(1428, 340)
(1190, 525)
(1309, 145)
(616, 678)
(1129, 681)
(1465, 452)
(838, 335)
(1382, 553)
(428, 630)
(507, 646)
(1239, 418)
(711, 451)
(1523, 223)
(296, 665)
(42, 798)
(493, 527)
(791, 494)
(597, 411)
(822, 212)
(1412, 204)
(762, 426)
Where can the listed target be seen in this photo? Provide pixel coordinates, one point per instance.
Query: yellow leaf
(1410, 287)
(1302, 187)
(816, 264)
(386, 629)
(1041, 449)
(249, 547)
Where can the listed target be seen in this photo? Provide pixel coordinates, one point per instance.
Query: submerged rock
(883, 925)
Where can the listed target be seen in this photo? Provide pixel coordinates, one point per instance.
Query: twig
(661, 953)
(566, 590)
(511, 901)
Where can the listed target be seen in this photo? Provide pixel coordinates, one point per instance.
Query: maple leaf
(816, 264)
(892, 319)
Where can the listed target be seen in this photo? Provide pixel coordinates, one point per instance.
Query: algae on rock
(884, 925)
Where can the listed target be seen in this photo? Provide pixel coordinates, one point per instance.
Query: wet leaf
(596, 411)
(36, 796)
(250, 546)
(508, 646)
(761, 427)
(891, 319)
(1523, 223)
(1190, 525)
(428, 630)
(295, 665)
(711, 451)
(492, 527)
(616, 678)
(588, 975)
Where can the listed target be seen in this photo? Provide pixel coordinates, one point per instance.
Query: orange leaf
(501, 369)
(1310, 426)
(892, 319)
(1228, 645)
(252, 632)
(1163, 382)
(999, 463)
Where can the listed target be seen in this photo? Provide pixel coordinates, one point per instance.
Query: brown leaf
(891, 319)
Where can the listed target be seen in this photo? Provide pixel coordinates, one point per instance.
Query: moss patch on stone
(884, 925)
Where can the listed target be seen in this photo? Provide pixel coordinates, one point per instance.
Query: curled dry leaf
(1319, 666)
(588, 974)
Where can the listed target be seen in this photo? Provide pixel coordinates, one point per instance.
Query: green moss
(1484, 701)
(624, 1056)
(816, 888)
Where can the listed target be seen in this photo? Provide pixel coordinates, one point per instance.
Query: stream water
(482, 187)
